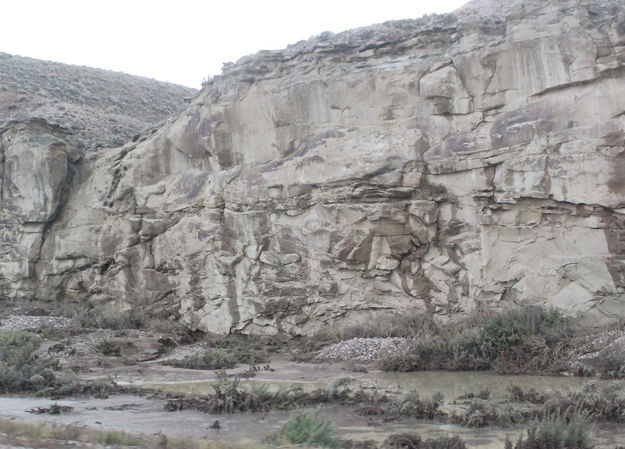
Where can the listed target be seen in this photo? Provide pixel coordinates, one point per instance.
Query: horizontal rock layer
(429, 165)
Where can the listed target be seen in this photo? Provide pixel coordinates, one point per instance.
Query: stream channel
(146, 415)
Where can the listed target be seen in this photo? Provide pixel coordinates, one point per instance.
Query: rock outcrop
(426, 165)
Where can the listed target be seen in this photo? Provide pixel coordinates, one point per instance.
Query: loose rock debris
(364, 349)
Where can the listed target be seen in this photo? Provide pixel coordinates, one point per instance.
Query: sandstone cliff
(419, 165)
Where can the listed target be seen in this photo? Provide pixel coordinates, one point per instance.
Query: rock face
(35, 167)
(50, 114)
(424, 165)
(99, 107)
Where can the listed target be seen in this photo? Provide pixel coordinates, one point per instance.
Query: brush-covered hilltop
(431, 165)
(98, 107)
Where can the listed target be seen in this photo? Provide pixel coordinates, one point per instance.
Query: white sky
(183, 41)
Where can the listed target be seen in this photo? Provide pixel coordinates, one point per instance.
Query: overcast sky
(183, 41)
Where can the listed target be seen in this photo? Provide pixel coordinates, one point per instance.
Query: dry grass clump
(49, 435)
(414, 441)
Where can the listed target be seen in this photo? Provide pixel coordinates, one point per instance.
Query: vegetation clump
(517, 393)
(216, 358)
(602, 402)
(482, 415)
(568, 430)
(54, 409)
(230, 397)
(414, 441)
(308, 429)
(110, 348)
(21, 368)
(62, 388)
(410, 405)
(527, 340)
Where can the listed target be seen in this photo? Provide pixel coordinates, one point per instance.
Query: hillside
(100, 107)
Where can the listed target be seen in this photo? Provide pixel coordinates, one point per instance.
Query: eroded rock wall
(427, 165)
(36, 166)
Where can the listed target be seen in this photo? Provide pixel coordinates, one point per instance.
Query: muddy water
(141, 415)
(146, 415)
(451, 384)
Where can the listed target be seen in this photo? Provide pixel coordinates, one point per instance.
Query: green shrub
(309, 430)
(212, 359)
(14, 343)
(110, 348)
(517, 341)
(21, 369)
(568, 430)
